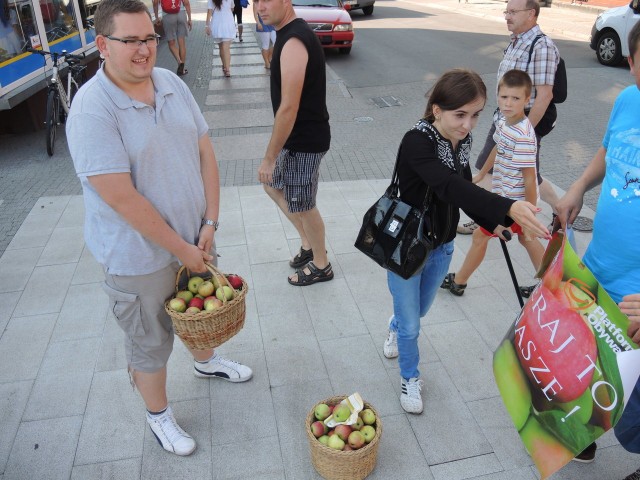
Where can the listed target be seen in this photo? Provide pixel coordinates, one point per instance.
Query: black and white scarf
(444, 148)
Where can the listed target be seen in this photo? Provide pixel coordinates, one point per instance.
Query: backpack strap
(533, 44)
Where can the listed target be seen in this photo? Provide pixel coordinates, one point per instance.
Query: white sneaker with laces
(390, 348)
(410, 398)
(220, 367)
(169, 434)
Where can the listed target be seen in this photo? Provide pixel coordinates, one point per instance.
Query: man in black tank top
(300, 137)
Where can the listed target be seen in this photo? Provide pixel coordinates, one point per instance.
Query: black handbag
(396, 235)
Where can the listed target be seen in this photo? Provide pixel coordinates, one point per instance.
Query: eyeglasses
(511, 13)
(134, 43)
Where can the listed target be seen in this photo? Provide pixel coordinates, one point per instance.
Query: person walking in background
(131, 127)
(613, 256)
(237, 14)
(301, 136)
(222, 28)
(10, 44)
(522, 21)
(176, 23)
(266, 37)
(434, 159)
(513, 160)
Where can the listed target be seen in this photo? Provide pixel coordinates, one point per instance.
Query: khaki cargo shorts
(137, 303)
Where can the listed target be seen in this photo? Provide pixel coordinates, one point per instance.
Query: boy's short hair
(516, 78)
(634, 40)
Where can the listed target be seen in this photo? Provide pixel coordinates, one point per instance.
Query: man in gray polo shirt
(141, 149)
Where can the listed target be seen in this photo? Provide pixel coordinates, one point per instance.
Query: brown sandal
(315, 275)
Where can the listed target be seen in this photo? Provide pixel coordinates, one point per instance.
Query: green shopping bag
(556, 368)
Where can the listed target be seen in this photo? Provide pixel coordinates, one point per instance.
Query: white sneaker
(410, 398)
(169, 434)
(220, 367)
(390, 348)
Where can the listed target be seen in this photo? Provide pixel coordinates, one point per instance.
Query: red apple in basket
(343, 431)
(177, 305)
(211, 303)
(356, 440)
(197, 302)
(319, 429)
(235, 281)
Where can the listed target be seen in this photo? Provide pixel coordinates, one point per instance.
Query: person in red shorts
(514, 173)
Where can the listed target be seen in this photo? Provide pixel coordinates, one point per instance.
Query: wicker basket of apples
(345, 452)
(207, 310)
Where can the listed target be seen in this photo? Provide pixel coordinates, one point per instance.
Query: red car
(329, 20)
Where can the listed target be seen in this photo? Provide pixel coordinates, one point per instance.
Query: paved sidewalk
(572, 21)
(67, 410)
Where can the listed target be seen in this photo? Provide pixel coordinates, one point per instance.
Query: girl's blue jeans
(412, 299)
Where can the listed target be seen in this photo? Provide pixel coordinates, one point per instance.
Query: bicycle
(59, 100)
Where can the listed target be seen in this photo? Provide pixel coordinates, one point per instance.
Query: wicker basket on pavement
(338, 465)
(209, 329)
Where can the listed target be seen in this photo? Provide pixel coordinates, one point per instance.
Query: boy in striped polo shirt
(513, 160)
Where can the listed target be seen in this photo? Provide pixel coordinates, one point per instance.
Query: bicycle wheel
(53, 110)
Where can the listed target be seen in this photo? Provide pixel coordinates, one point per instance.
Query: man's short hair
(516, 78)
(634, 40)
(533, 5)
(107, 9)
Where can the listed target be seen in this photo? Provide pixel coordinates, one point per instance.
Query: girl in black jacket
(435, 153)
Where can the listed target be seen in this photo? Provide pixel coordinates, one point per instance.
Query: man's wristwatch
(214, 223)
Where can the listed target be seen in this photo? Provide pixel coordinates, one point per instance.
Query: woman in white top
(221, 26)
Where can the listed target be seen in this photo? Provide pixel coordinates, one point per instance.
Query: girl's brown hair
(453, 90)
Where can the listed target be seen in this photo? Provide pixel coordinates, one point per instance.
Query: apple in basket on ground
(206, 295)
(343, 437)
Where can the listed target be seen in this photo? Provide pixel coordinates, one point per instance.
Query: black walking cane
(507, 257)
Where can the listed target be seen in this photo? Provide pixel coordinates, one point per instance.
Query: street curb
(335, 78)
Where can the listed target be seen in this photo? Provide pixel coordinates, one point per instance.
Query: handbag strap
(394, 187)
